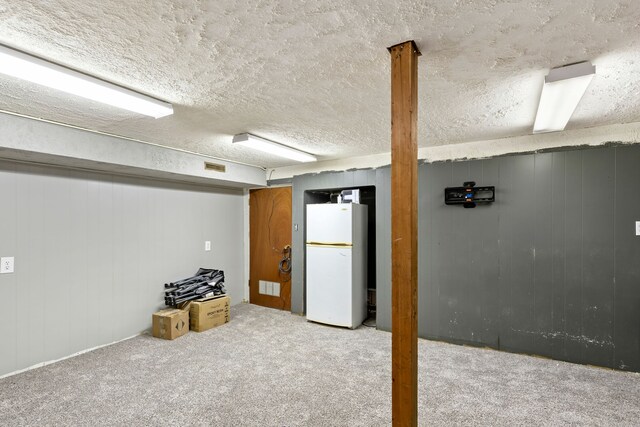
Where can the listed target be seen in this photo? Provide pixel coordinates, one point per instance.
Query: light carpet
(272, 368)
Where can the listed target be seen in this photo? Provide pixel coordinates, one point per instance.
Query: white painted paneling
(93, 251)
(8, 287)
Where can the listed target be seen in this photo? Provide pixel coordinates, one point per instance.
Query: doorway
(270, 247)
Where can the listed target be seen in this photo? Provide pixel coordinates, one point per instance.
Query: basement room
(280, 213)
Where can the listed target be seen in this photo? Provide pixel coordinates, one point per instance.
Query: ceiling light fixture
(20, 65)
(266, 146)
(562, 91)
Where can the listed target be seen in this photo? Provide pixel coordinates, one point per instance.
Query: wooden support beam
(404, 233)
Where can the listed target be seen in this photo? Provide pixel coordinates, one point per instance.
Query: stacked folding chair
(205, 283)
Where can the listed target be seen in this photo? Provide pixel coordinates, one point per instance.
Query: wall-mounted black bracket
(469, 195)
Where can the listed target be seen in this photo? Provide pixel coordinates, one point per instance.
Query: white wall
(38, 141)
(627, 133)
(92, 252)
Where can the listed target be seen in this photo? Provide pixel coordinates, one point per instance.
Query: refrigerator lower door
(329, 287)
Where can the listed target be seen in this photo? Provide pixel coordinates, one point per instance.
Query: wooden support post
(404, 233)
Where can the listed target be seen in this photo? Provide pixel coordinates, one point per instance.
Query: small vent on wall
(214, 167)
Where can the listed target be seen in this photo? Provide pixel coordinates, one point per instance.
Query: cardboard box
(207, 313)
(170, 323)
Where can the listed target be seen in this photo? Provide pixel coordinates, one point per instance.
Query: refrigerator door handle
(330, 245)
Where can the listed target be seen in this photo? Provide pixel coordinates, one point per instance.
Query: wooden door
(269, 236)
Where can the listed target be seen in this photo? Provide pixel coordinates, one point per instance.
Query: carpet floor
(271, 368)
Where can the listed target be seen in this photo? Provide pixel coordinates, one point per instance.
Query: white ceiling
(315, 75)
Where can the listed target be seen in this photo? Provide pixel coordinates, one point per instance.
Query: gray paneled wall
(551, 268)
(92, 253)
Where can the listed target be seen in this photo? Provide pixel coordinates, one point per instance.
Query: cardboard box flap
(170, 312)
(211, 298)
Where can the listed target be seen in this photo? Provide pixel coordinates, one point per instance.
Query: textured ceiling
(315, 75)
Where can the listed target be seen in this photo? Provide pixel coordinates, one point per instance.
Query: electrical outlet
(207, 245)
(637, 228)
(6, 265)
(263, 287)
(276, 289)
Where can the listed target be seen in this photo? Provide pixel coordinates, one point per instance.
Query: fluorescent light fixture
(18, 64)
(264, 145)
(562, 91)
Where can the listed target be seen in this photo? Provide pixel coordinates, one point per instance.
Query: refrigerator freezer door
(330, 223)
(329, 287)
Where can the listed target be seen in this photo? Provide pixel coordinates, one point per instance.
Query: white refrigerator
(337, 264)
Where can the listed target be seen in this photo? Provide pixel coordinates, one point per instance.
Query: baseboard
(49, 362)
